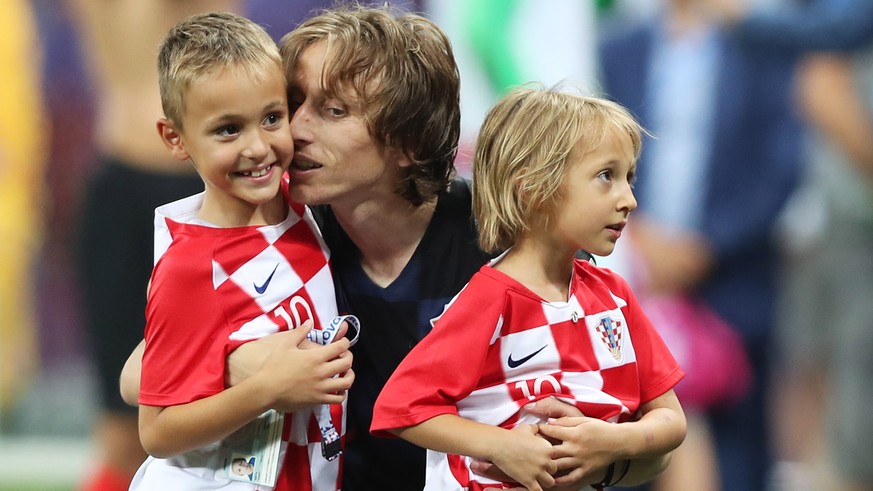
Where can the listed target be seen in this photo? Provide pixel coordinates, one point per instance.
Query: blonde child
(552, 174)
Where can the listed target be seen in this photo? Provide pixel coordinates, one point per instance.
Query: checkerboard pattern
(214, 289)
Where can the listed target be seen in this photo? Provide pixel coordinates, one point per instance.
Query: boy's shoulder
(185, 255)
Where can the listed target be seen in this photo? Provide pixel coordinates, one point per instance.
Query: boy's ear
(172, 139)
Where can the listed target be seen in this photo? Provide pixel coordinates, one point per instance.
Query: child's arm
(588, 444)
(523, 455)
(242, 363)
(304, 379)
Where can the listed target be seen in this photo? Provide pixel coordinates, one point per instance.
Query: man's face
(336, 159)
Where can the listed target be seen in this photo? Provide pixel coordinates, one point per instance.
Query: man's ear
(172, 138)
(402, 159)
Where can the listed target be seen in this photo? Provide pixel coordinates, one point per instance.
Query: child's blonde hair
(522, 153)
(205, 43)
(401, 68)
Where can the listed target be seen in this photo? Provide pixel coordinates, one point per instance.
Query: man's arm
(128, 382)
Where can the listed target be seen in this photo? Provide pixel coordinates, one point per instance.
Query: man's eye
(336, 111)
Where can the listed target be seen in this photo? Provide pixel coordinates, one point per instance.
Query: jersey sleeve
(446, 365)
(184, 359)
(658, 369)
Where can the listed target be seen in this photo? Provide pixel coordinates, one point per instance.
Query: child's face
(336, 156)
(597, 196)
(237, 134)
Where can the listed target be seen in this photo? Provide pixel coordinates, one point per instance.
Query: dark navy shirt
(393, 320)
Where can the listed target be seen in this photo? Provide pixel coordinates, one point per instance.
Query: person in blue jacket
(711, 186)
(824, 342)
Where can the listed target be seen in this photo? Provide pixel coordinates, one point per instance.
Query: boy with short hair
(235, 263)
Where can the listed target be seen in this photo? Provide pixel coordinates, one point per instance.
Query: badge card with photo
(251, 453)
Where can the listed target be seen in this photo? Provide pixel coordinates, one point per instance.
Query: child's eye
(273, 119)
(228, 130)
(605, 175)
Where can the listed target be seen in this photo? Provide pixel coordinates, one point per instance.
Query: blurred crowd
(752, 245)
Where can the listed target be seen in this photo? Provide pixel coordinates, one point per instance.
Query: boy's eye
(228, 130)
(272, 119)
(605, 175)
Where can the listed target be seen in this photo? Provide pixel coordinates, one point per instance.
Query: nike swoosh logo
(519, 362)
(261, 289)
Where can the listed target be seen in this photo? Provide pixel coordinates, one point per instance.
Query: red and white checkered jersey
(213, 289)
(499, 346)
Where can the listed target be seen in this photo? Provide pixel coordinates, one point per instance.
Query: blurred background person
(711, 185)
(824, 349)
(24, 132)
(793, 26)
(133, 175)
(42, 418)
(826, 340)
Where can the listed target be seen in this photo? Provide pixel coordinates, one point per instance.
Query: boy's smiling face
(236, 132)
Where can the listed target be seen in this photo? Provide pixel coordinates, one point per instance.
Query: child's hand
(526, 458)
(299, 373)
(338, 328)
(583, 448)
(549, 407)
(580, 450)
